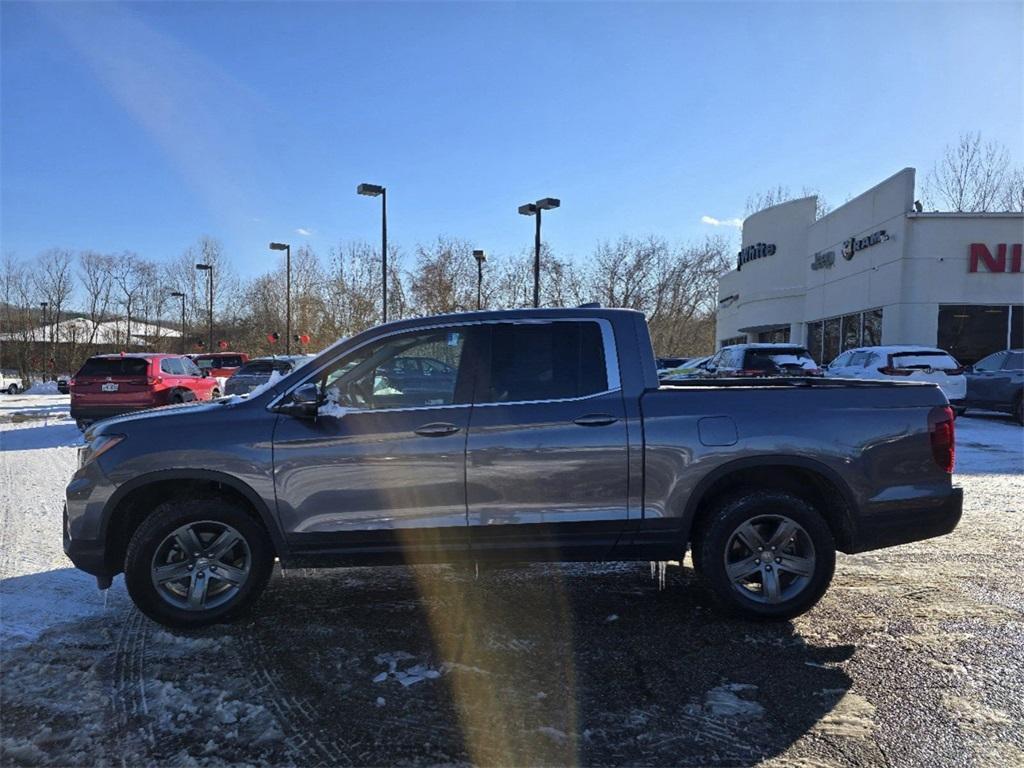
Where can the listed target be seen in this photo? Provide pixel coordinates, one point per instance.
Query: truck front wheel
(766, 554)
(195, 562)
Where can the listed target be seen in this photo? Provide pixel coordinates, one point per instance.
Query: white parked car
(10, 382)
(904, 363)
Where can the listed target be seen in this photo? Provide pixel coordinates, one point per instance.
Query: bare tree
(128, 276)
(18, 317)
(94, 273)
(780, 194)
(53, 281)
(444, 279)
(970, 177)
(1013, 191)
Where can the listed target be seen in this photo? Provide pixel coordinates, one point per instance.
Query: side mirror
(968, 369)
(303, 403)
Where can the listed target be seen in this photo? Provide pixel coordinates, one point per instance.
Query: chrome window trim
(611, 362)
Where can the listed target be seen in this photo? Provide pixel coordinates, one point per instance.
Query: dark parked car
(996, 383)
(64, 383)
(775, 359)
(552, 440)
(257, 372)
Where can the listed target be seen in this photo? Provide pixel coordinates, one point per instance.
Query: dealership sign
(980, 254)
(853, 244)
(751, 252)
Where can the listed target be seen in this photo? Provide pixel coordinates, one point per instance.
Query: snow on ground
(924, 638)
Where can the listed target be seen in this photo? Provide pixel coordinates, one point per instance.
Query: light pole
(287, 248)
(373, 190)
(44, 305)
(480, 257)
(180, 295)
(534, 209)
(208, 268)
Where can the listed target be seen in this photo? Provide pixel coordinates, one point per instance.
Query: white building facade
(876, 271)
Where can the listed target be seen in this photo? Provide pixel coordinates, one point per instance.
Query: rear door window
(114, 366)
(545, 361)
(172, 366)
(1014, 361)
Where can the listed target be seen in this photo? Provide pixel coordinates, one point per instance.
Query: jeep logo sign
(853, 244)
(751, 252)
(980, 254)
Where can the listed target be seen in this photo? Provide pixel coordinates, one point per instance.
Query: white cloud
(303, 232)
(738, 223)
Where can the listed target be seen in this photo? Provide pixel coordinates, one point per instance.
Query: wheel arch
(811, 480)
(133, 501)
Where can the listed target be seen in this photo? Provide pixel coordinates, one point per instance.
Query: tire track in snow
(294, 715)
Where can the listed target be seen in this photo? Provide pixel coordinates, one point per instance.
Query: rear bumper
(912, 522)
(95, 412)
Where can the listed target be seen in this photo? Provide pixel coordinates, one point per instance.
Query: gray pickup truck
(515, 436)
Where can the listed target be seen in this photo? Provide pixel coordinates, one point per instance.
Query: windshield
(114, 366)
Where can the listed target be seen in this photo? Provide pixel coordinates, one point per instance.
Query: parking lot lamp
(373, 190)
(287, 248)
(534, 209)
(208, 268)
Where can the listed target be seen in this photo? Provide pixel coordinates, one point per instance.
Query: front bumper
(921, 519)
(87, 554)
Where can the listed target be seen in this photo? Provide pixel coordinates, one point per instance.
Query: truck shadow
(537, 664)
(526, 665)
(33, 436)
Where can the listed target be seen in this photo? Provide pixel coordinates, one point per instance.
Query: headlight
(96, 448)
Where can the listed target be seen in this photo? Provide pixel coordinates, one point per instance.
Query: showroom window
(774, 336)
(970, 332)
(827, 338)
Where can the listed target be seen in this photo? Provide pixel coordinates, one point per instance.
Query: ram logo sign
(980, 254)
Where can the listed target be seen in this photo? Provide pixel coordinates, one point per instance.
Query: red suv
(111, 384)
(220, 365)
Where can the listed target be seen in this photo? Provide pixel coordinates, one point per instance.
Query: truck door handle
(437, 429)
(595, 420)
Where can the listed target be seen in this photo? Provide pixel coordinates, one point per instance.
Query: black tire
(161, 523)
(215, 393)
(716, 537)
(12, 390)
(82, 424)
(958, 412)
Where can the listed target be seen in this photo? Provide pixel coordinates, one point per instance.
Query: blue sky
(144, 126)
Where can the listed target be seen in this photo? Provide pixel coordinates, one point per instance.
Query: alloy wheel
(201, 565)
(769, 559)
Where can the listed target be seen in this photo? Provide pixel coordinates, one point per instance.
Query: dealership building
(876, 270)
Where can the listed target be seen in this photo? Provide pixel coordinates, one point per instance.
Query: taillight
(888, 370)
(942, 435)
(71, 383)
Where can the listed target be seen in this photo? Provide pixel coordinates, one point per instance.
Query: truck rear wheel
(766, 554)
(196, 562)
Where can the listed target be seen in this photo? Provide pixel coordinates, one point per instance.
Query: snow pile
(416, 673)
(42, 388)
